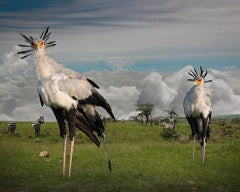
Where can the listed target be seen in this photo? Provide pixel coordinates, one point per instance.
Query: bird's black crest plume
(196, 75)
(45, 35)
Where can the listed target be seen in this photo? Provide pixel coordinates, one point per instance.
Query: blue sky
(143, 35)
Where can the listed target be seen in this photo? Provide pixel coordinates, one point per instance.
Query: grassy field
(142, 160)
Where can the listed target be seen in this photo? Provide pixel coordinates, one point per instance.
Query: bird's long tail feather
(106, 152)
(83, 124)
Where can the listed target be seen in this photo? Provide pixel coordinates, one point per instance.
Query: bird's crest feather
(195, 75)
(29, 39)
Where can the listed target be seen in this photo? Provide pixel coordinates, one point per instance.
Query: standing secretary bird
(197, 108)
(70, 95)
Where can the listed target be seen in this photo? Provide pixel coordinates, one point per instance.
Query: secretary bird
(71, 96)
(197, 108)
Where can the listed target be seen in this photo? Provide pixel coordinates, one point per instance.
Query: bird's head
(198, 78)
(36, 44)
(198, 81)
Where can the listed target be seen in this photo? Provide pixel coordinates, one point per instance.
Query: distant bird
(197, 108)
(168, 126)
(37, 124)
(71, 96)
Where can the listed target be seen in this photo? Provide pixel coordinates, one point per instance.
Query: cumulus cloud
(123, 100)
(225, 92)
(18, 96)
(122, 88)
(167, 90)
(156, 91)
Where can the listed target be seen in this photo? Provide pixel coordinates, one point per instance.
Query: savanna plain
(144, 158)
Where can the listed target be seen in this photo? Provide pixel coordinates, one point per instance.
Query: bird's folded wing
(84, 92)
(74, 75)
(79, 89)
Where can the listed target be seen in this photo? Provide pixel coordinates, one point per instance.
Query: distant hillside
(226, 118)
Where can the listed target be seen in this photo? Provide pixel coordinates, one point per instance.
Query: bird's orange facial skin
(197, 81)
(40, 44)
(37, 45)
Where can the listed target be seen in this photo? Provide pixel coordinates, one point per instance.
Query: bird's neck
(45, 66)
(199, 91)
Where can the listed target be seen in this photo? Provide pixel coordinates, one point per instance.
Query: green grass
(142, 160)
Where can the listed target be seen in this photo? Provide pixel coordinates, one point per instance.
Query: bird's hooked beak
(37, 44)
(198, 81)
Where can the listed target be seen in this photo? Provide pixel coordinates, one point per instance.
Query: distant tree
(235, 120)
(145, 110)
(172, 112)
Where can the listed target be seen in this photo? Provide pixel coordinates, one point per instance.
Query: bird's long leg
(71, 119)
(194, 128)
(194, 147)
(204, 123)
(64, 154)
(71, 155)
(106, 152)
(203, 149)
(59, 114)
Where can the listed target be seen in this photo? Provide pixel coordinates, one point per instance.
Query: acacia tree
(146, 109)
(172, 112)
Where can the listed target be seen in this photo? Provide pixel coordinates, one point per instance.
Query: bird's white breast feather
(197, 101)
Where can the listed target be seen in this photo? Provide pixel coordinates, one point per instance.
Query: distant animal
(71, 96)
(11, 127)
(142, 119)
(197, 109)
(168, 126)
(37, 124)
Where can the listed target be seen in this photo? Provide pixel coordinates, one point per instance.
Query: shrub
(169, 134)
(235, 120)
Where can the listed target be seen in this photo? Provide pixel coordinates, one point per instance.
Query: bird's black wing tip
(93, 83)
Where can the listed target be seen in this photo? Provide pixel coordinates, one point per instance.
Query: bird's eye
(34, 45)
(197, 81)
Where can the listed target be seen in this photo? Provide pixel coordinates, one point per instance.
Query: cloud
(122, 99)
(156, 91)
(167, 90)
(120, 63)
(106, 30)
(32, 111)
(225, 91)
(123, 89)
(18, 96)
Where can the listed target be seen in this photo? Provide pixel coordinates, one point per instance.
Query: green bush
(169, 134)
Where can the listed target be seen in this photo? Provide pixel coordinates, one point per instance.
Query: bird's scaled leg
(194, 147)
(59, 114)
(194, 129)
(64, 154)
(203, 146)
(106, 152)
(71, 119)
(71, 155)
(204, 123)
